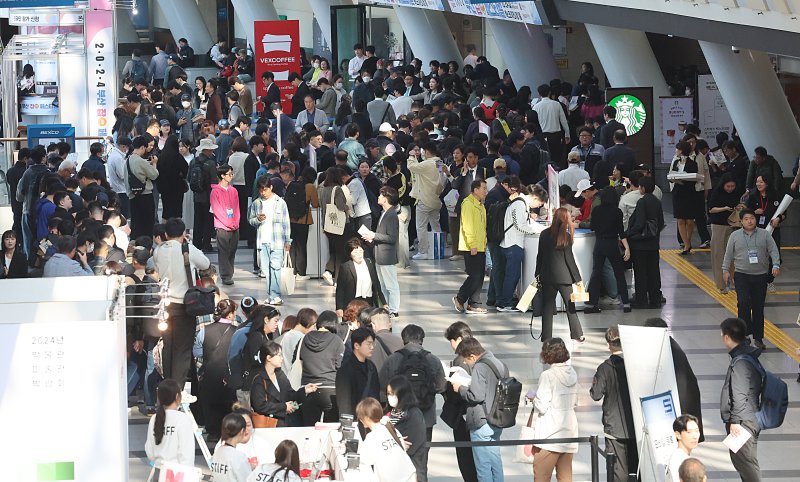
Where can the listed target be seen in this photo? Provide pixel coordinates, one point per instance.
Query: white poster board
(652, 373)
(659, 413)
(712, 113)
(62, 381)
(673, 111)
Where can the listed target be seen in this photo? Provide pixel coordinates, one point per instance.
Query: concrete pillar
(428, 34)
(185, 21)
(322, 12)
(537, 66)
(756, 101)
(249, 11)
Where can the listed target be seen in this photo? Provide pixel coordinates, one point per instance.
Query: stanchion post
(611, 461)
(594, 459)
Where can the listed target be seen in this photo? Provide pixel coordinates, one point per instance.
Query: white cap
(386, 127)
(583, 185)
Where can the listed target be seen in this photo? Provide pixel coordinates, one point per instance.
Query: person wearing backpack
(480, 397)
(202, 173)
(299, 195)
(423, 370)
(740, 396)
(135, 68)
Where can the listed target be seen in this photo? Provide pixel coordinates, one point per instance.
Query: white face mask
(392, 399)
(339, 85)
(315, 65)
(366, 78)
(186, 104)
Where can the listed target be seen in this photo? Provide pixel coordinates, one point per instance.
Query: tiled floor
(693, 317)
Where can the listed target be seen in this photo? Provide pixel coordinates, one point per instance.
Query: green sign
(630, 112)
(55, 471)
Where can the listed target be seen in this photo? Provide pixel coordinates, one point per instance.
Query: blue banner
(36, 3)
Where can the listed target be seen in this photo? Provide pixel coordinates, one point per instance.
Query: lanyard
(747, 239)
(763, 201)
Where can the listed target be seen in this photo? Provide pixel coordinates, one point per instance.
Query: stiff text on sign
(100, 70)
(277, 51)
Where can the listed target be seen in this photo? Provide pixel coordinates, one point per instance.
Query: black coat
(606, 136)
(273, 95)
(611, 384)
(267, 400)
(18, 267)
(355, 381)
(688, 389)
(298, 100)
(346, 285)
(648, 207)
(555, 266)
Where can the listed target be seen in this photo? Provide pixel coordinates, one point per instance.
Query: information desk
(323, 441)
(582, 249)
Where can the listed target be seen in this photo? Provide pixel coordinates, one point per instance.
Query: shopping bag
(287, 276)
(436, 245)
(296, 372)
(579, 293)
(527, 297)
(171, 471)
(335, 220)
(523, 454)
(537, 305)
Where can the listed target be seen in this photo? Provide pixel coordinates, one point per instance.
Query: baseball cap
(499, 163)
(223, 124)
(386, 127)
(173, 57)
(583, 185)
(164, 122)
(186, 97)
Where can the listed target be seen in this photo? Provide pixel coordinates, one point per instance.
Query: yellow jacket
(473, 225)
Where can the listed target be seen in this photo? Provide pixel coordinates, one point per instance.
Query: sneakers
(507, 309)
(760, 344)
(187, 397)
(327, 277)
(626, 308)
(275, 302)
(588, 309)
(579, 341)
(420, 255)
(227, 282)
(303, 277)
(724, 291)
(394, 315)
(705, 244)
(456, 257)
(609, 301)
(772, 288)
(458, 305)
(477, 310)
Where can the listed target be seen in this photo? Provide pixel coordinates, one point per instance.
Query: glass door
(347, 29)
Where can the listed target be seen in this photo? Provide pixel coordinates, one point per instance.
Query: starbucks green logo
(630, 112)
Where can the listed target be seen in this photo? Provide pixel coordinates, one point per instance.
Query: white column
(185, 21)
(322, 12)
(428, 34)
(537, 66)
(249, 11)
(756, 101)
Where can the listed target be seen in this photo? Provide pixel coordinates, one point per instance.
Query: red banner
(277, 51)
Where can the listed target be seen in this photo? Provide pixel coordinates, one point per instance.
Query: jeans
(426, 215)
(133, 375)
(272, 261)
(609, 280)
(751, 292)
(606, 252)
(497, 275)
(513, 261)
(151, 377)
(387, 274)
(27, 236)
(488, 462)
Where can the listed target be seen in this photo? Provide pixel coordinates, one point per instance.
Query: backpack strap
(759, 368)
(492, 367)
(186, 266)
(507, 208)
(383, 345)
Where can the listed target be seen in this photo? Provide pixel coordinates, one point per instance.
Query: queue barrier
(593, 441)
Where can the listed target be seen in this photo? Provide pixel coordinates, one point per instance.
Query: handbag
(335, 220)
(296, 373)
(197, 301)
(523, 454)
(263, 421)
(649, 231)
(527, 297)
(579, 294)
(734, 219)
(287, 276)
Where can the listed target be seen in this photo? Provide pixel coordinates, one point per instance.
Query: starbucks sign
(630, 112)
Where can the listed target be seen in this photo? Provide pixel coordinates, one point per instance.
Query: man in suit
(619, 153)
(384, 239)
(273, 93)
(606, 136)
(299, 96)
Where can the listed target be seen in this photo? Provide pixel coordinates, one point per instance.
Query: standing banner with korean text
(712, 114)
(100, 71)
(277, 51)
(673, 111)
(653, 373)
(659, 413)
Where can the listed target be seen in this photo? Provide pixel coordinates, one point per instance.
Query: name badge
(230, 213)
(762, 220)
(752, 254)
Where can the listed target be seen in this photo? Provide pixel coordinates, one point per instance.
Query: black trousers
(298, 252)
(751, 294)
(607, 249)
(178, 341)
(216, 402)
(466, 463)
(627, 458)
(496, 278)
(549, 292)
(336, 250)
(246, 231)
(647, 276)
(172, 204)
(203, 225)
(228, 243)
(317, 403)
(142, 221)
(555, 145)
(475, 266)
(745, 461)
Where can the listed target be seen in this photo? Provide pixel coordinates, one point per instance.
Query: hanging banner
(100, 71)
(653, 373)
(659, 412)
(426, 4)
(524, 12)
(712, 113)
(673, 111)
(277, 51)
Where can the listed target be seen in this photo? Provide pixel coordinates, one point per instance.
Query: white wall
(299, 10)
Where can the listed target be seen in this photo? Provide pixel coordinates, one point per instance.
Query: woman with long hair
(123, 124)
(593, 104)
(271, 394)
(557, 272)
(286, 467)
(383, 448)
(170, 433)
(13, 261)
(300, 225)
(555, 401)
(434, 90)
(211, 346)
(407, 417)
(686, 200)
(214, 102)
(230, 464)
(764, 201)
(246, 444)
(172, 179)
(721, 204)
(200, 99)
(263, 329)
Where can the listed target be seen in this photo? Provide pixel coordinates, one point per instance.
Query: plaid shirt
(280, 232)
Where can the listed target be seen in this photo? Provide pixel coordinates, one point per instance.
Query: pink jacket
(221, 200)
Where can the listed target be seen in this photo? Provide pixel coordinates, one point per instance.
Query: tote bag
(287, 276)
(523, 454)
(335, 220)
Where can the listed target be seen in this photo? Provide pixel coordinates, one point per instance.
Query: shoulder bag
(335, 220)
(197, 301)
(264, 421)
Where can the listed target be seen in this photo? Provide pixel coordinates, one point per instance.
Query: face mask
(366, 78)
(339, 85)
(392, 399)
(186, 104)
(315, 65)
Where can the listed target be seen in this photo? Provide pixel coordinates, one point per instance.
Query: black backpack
(507, 392)
(416, 368)
(495, 221)
(197, 178)
(295, 197)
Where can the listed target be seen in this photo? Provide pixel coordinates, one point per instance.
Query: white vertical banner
(659, 413)
(673, 111)
(712, 114)
(100, 71)
(650, 372)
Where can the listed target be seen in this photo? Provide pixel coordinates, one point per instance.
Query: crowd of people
(400, 163)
